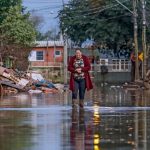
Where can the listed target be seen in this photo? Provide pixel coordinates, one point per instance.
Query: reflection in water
(14, 134)
(116, 96)
(110, 120)
(77, 129)
(96, 125)
(31, 100)
(85, 133)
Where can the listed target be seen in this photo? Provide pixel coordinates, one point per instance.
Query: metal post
(65, 60)
(144, 37)
(65, 54)
(136, 40)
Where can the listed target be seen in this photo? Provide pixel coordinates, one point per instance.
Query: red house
(47, 54)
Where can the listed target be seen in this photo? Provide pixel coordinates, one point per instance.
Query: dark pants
(79, 86)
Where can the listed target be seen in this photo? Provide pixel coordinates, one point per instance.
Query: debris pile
(139, 84)
(13, 81)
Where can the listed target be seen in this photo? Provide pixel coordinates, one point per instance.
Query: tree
(17, 35)
(103, 21)
(72, 20)
(5, 5)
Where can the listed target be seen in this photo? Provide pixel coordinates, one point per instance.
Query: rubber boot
(81, 103)
(74, 103)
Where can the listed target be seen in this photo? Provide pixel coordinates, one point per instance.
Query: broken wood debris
(12, 81)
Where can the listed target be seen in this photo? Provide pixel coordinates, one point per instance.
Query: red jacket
(85, 69)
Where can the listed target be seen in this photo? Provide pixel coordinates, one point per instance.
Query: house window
(57, 53)
(39, 55)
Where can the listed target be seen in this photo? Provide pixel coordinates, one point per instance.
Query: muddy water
(113, 119)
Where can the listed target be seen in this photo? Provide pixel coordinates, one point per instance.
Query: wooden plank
(7, 83)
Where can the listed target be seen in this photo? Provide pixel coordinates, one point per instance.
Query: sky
(48, 10)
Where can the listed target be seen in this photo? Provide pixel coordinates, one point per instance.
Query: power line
(101, 20)
(48, 1)
(85, 13)
(124, 6)
(95, 12)
(45, 8)
(78, 11)
(107, 7)
(43, 2)
(102, 8)
(127, 15)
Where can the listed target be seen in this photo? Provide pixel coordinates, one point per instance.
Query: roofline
(49, 43)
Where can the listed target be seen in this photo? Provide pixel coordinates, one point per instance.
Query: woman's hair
(78, 49)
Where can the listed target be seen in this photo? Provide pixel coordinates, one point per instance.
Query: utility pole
(134, 12)
(144, 38)
(135, 39)
(65, 60)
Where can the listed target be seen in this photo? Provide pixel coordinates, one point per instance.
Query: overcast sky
(48, 9)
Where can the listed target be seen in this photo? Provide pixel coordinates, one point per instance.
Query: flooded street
(113, 119)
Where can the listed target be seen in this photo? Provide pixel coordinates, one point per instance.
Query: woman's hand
(78, 70)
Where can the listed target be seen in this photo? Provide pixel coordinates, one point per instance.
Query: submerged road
(113, 119)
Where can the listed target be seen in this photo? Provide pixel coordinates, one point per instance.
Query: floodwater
(113, 119)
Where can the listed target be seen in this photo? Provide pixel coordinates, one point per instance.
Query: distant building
(47, 54)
